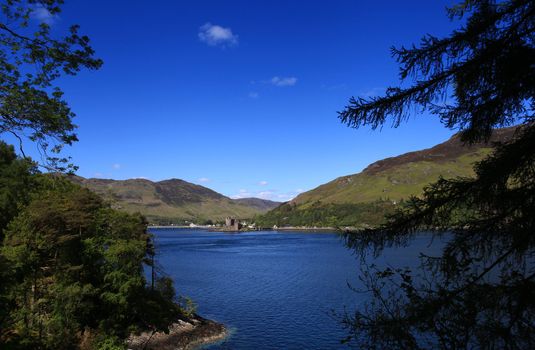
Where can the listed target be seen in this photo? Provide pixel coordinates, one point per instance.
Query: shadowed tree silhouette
(480, 293)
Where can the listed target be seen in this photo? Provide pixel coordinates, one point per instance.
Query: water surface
(274, 290)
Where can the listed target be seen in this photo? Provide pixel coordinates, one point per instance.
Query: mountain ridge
(451, 148)
(408, 171)
(354, 199)
(173, 201)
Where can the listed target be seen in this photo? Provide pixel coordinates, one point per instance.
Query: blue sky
(241, 96)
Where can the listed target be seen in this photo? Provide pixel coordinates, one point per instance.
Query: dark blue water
(273, 290)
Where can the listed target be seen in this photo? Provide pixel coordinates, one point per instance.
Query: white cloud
(263, 183)
(265, 194)
(215, 35)
(242, 193)
(283, 81)
(253, 95)
(203, 179)
(286, 196)
(41, 14)
(98, 175)
(268, 194)
(116, 166)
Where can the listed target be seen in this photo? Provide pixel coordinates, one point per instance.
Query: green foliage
(71, 267)
(15, 184)
(327, 215)
(480, 292)
(75, 263)
(109, 343)
(188, 306)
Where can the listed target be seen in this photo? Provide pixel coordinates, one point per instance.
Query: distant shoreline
(223, 229)
(176, 226)
(311, 229)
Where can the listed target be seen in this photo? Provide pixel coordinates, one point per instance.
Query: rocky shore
(183, 335)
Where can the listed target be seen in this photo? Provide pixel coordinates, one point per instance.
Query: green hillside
(364, 198)
(173, 201)
(394, 183)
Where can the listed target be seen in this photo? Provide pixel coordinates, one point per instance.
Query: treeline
(72, 268)
(327, 214)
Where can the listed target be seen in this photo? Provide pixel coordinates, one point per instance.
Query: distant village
(231, 224)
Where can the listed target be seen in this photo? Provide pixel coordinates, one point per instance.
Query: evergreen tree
(480, 293)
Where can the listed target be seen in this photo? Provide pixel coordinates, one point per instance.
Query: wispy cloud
(263, 183)
(265, 194)
(253, 95)
(271, 194)
(376, 91)
(203, 179)
(116, 166)
(284, 197)
(242, 193)
(288, 196)
(283, 81)
(98, 175)
(334, 87)
(215, 35)
(41, 14)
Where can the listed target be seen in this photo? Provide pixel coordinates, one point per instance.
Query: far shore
(224, 229)
(178, 226)
(305, 228)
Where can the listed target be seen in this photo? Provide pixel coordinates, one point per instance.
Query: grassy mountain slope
(351, 200)
(262, 205)
(173, 201)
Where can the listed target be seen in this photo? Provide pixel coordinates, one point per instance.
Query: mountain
(174, 200)
(363, 198)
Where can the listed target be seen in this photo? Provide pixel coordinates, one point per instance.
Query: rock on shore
(183, 335)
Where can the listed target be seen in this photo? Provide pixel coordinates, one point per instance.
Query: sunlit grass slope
(348, 200)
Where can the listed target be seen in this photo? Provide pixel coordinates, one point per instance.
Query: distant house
(233, 223)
